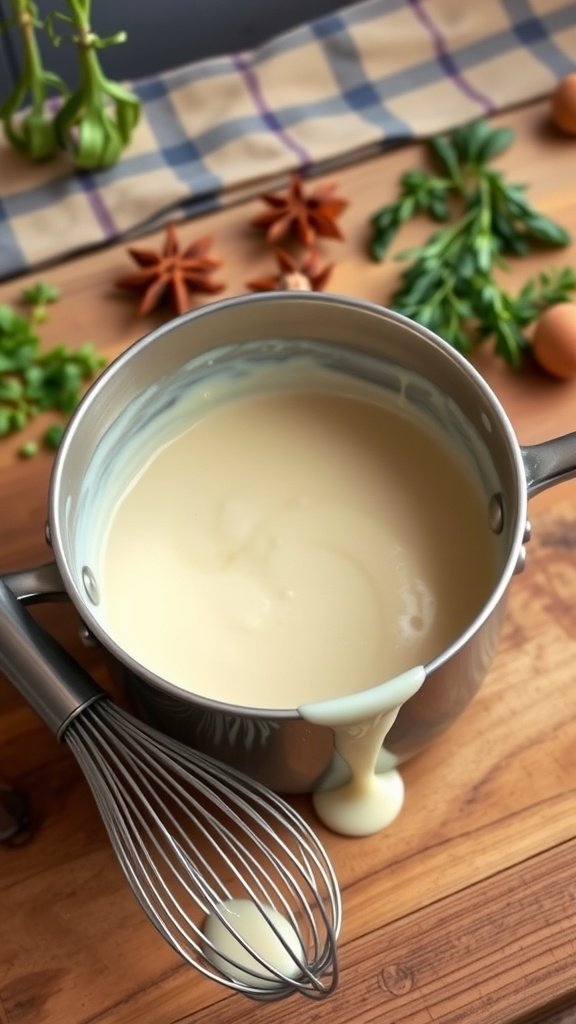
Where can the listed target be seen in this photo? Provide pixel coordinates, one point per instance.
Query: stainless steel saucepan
(279, 747)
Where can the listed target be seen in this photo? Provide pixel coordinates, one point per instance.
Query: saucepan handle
(549, 463)
(41, 583)
(48, 678)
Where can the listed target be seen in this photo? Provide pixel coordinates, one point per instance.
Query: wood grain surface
(465, 909)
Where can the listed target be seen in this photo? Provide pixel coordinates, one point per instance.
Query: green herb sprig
(97, 120)
(32, 132)
(449, 282)
(33, 381)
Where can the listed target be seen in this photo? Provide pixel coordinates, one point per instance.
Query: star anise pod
(301, 214)
(172, 272)
(307, 274)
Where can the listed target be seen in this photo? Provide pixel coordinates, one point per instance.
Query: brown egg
(564, 104)
(554, 340)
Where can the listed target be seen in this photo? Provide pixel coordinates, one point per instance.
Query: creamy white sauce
(260, 931)
(295, 546)
(369, 800)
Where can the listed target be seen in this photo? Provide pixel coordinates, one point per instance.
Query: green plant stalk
(97, 121)
(34, 133)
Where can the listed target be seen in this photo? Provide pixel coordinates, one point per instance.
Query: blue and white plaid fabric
(329, 92)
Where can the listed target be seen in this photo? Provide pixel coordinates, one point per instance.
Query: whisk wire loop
(227, 784)
(216, 780)
(226, 836)
(135, 839)
(148, 893)
(193, 836)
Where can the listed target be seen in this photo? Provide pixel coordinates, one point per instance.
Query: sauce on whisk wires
(268, 934)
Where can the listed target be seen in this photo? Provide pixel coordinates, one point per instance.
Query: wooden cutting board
(465, 909)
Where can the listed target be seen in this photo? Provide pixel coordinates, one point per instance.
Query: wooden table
(465, 909)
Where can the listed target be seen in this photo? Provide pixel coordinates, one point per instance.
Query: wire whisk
(192, 836)
(229, 873)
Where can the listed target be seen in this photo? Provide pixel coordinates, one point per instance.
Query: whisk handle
(48, 678)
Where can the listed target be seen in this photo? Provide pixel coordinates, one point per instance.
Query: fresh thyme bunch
(449, 284)
(32, 133)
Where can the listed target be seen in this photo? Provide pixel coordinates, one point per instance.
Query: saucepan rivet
(87, 637)
(496, 513)
(521, 561)
(47, 534)
(90, 584)
(527, 531)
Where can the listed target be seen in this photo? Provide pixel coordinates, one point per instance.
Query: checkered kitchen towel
(352, 82)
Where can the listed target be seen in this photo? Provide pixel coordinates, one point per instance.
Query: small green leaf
(5, 422)
(40, 293)
(546, 231)
(11, 389)
(444, 150)
(496, 143)
(18, 419)
(52, 437)
(438, 208)
(28, 450)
